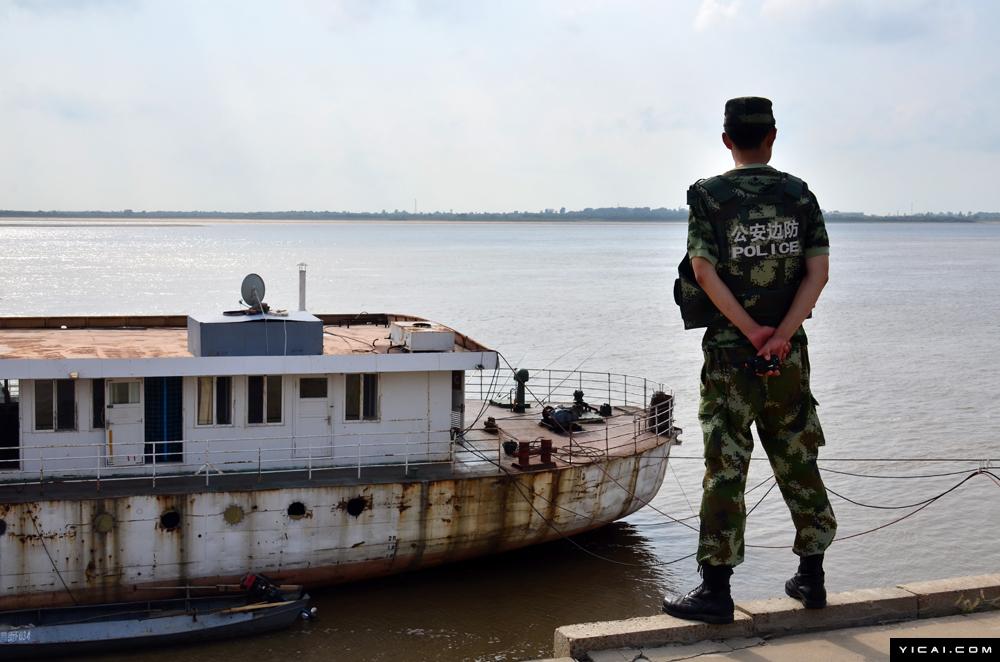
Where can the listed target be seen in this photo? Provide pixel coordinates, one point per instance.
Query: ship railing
(213, 457)
(547, 386)
(282, 453)
(617, 435)
(311, 454)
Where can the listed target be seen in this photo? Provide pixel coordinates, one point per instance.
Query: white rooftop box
(422, 336)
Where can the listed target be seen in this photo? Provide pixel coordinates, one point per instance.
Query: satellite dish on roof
(252, 291)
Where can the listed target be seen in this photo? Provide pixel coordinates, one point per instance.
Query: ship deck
(621, 434)
(167, 337)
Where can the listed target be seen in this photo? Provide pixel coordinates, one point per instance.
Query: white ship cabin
(107, 397)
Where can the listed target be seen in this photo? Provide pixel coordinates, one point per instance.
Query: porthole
(356, 506)
(233, 514)
(170, 520)
(297, 510)
(104, 522)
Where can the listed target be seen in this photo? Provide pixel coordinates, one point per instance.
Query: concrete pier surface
(855, 625)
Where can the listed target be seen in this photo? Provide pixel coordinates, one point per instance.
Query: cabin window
(206, 400)
(312, 387)
(215, 401)
(97, 399)
(125, 393)
(361, 397)
(55, 404)
(223, 400)
(263, 399)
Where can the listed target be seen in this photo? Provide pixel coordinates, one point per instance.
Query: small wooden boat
(79, 630)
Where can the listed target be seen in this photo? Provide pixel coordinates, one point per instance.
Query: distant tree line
(924, 217)
(562, 214)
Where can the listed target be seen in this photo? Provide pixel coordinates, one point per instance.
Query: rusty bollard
(546, 451)
(523, 454)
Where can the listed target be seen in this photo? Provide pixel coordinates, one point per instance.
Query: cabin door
(10, 424)
(164, 418)
(313, 417)
(124, 422)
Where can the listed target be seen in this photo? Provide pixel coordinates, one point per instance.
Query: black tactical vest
(760, 241)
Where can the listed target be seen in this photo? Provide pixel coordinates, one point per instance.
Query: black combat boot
(807, 584)
(711, 602)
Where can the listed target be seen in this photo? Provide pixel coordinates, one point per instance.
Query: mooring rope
(919, 506)
(984, 469)
(41, 538)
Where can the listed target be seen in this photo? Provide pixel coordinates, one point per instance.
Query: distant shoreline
(91, 222)
(608, 215)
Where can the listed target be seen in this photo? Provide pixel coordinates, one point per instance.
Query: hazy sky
(503, 105)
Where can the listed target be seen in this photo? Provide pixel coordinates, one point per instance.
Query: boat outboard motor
(260, 588)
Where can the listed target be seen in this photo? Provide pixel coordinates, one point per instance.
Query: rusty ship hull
(116, 546)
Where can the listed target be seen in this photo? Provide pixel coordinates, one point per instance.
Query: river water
(905, 350)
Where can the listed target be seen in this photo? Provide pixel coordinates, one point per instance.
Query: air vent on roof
(422, 336)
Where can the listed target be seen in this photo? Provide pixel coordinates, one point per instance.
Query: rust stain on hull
(402, 526)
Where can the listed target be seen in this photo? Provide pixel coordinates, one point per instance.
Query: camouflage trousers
(784, 411)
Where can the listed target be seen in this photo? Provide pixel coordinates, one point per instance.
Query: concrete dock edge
(958, 595)
(576, 640)
(776, 617)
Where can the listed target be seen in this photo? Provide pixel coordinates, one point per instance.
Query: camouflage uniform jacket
(767, 246)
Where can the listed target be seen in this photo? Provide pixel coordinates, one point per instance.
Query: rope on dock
(860, 475)
(978, 472)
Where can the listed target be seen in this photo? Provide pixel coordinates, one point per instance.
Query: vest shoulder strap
(719, 188)
(794, 187)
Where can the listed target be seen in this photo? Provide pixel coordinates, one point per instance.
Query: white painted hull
(402, 525)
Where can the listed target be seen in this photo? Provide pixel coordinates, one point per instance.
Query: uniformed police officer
(757, 260)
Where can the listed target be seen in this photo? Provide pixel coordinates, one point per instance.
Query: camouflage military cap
(749, 110)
